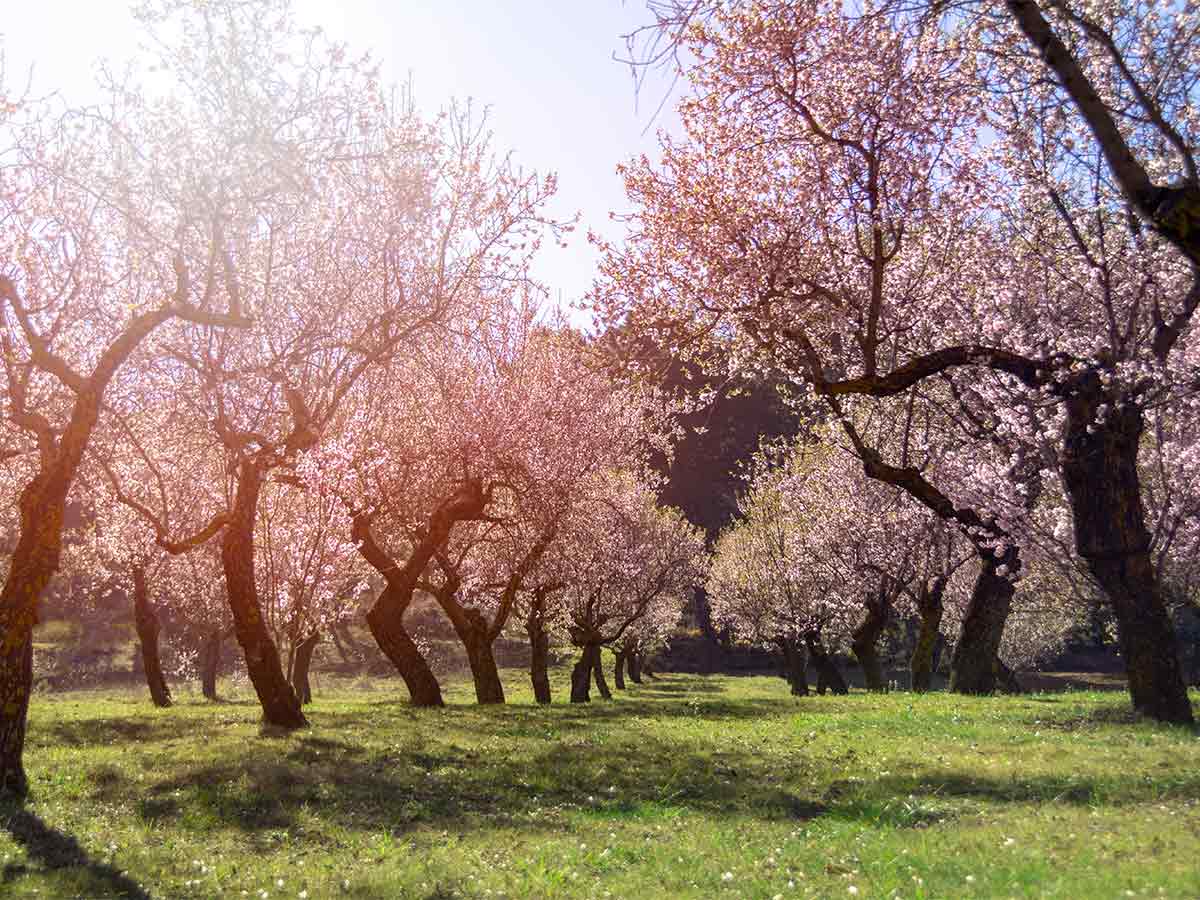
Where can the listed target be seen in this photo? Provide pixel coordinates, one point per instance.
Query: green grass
(684, 787)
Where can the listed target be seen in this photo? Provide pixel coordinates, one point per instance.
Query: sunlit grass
(686, 786)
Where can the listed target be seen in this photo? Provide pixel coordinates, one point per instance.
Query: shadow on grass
(54, 849)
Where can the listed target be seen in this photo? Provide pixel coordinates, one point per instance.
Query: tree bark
(145, 620)
(973, 667)
(386, 616)
(1006, 678)
(598, 671)
(488, 688)
(635, 667)
(1099, 466)
(210, 661)
(795, 663)
(865, 638)
(930, 608)
(539, 657)
(619, 670)
(280, 705)
(301, 662)
(828, 675)
(581, 674)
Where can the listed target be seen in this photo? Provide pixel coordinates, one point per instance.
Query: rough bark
(539, 656)
(1099, 466)
(930, 608)
(280, 705)
(973, 667)
(301, 662)
(145, 620)
(866, 637)
(581, 674)
(828, 676)
(210, 661)
(619, 669)
(598, 673)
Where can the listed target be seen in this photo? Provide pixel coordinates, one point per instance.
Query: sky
(556, 97)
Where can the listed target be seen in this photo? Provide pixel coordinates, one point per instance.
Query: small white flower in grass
(852, 890)
(346, 884)
(303, 895)
(970, 879)
(791, 884)
(727, 876)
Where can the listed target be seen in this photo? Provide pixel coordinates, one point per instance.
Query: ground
(688, 786)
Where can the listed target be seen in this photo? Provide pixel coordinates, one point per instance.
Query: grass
(685, 787)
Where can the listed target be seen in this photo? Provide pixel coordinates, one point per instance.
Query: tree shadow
(54, 849)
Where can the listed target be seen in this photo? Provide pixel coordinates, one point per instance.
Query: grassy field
(684, 787)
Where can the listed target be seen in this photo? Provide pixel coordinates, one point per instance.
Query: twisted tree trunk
(488, 688)
(145, 620)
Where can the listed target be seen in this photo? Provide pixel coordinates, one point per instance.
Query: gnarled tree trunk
(279, 702)
(488, 688)
(930, 609)
(866, 637)
(301, 662)
(973, 667)
(386, 616)
(828, 676)
(145, 620)
(1099, 466)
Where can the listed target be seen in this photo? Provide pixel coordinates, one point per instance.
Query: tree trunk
(598, 670)
(828, 675)
(488, 689)
(1006, 678)
(795, 661)
(280, 705)
(387, 625)
(635, 667)
(865, 638)
(1099, 465)
(619, 670)
(145, 620)
(539, 657)
(930, 608)
(301, 661)
(973, 667)
(210, 661)
(581, 674)
(34, 561)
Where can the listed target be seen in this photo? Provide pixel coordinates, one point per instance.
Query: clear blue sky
(545, 69)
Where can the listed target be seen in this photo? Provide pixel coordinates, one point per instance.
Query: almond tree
(100, 248)
(620, 559)
(837, 211)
